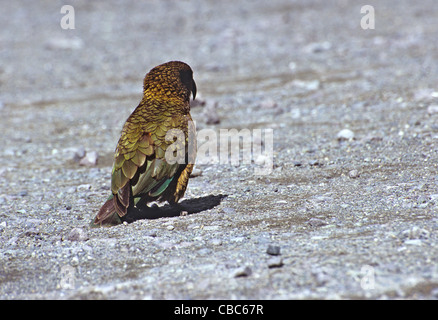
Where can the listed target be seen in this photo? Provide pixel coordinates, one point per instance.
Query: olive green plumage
(141, 171)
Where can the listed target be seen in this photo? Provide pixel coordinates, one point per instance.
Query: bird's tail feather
(107, 215)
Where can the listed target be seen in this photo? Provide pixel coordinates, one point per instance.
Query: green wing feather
(140, 160)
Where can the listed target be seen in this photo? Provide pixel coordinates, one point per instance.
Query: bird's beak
(194, 89)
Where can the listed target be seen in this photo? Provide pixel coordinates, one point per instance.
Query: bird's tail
(107, 215)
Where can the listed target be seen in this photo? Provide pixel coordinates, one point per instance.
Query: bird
(155, 154)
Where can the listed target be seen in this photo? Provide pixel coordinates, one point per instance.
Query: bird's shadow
(190, 206)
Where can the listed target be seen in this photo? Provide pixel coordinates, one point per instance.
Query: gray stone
(242, 272)
(90, 159)
(78, 234)
(273, 250)
(275, 262)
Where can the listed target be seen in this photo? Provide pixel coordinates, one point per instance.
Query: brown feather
(106, 215)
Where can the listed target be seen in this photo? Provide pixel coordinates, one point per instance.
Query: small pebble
(77, 234)
(432, 109)
(345, 134)
(74, 261)
(151, 233)
(273, 250)
(215, 242)
(170, 227)
(84, 187)
(196, 173)
(317, 47)
(71, 190)
(315, 222)
(414, 242)
(275, 262)
(74, 153)
(261, 159)
(314, 163)
(90, 159)
(203, 251)
(46, 207)
(242, 272)
(353, 174)
(12, 241)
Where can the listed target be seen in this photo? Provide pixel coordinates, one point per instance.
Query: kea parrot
(146, 163)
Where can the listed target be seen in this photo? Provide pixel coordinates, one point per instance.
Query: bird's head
(170, 81)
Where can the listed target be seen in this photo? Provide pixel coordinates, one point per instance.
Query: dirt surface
(344, 213)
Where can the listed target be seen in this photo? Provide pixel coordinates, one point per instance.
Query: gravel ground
(349, 211)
